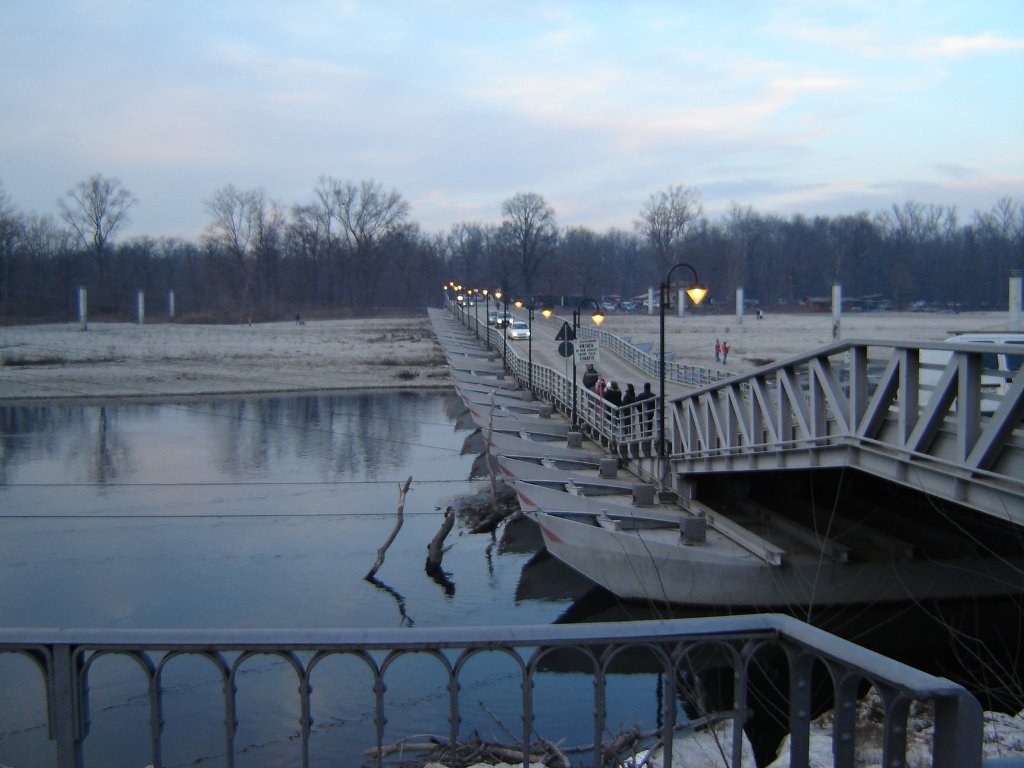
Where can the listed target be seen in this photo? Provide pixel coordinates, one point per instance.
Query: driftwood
(436, 548)
(400, 518)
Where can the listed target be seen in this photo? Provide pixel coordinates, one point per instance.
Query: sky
(795, 106)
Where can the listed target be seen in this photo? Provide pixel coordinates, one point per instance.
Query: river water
(267, 513)
(226, 513)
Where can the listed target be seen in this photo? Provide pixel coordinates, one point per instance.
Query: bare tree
(370, 218)
(10, 224)
(232, 232)
(96, 209)
(666, 219)
(530, 222)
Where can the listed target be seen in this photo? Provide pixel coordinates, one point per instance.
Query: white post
(837, 310)
(170, 304)
(681, 301)
(83, 309)
(1015, 300)
(739, 306)
(140, 303)
(650, 301)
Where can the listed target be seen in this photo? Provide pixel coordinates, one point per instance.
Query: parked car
(998, 370)
(517, 329)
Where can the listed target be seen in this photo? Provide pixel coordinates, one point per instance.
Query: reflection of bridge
(876, 407)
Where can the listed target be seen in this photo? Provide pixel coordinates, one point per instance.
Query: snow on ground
(756, 342)
(126, 359)
(58, 361)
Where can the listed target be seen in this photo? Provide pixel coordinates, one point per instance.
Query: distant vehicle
(628, 306)
(607, 306)
(517, 329)
(492, 318)
(998, 369)
(501, 319)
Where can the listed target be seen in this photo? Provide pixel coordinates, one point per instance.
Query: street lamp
(546, 312)
(497, 299)
(696, 292)
(598, 318)
(487, 318)
(504, 333)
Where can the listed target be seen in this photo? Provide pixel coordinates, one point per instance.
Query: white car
(517, 329)
(998, 370)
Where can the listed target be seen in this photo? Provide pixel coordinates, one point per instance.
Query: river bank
(124, 360)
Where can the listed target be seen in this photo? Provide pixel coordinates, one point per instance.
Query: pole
(529, 350)
(837, 310)
(696, 293)
(487, 320)
(504, 335)
(1015, 300)
(662, 296)
(83, 309)
(575, 334)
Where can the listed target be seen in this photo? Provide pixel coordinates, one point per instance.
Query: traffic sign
(586, 351)
(565, 333)
(565, 348)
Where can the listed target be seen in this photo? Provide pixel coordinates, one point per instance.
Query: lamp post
(546, 312)
(487, 318)
(598, 318)
(504, 334)
(497, 298)
(696, 292)
(476, 311)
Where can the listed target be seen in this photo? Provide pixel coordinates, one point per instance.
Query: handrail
(886, 406)
(678, 649)
(926, 413)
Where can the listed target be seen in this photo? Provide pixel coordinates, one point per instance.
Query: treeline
(354, 249)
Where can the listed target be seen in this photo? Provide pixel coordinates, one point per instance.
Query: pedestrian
(629, 396)
(590, 376)
(613, 394)
(646, 397)
(718, 350)
(725, 352)
(599, 386)
(628, 414)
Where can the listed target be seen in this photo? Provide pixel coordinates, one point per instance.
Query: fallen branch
(436, 548)
(400, 515)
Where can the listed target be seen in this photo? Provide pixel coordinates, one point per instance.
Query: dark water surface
(263, 512)
(268, 512)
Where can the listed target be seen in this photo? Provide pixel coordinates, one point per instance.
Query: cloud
(959, 45)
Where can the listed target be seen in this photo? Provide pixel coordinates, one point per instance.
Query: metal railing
(951, 428)
(931, 415)
(679, 651)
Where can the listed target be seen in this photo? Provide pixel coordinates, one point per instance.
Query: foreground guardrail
(677, 650)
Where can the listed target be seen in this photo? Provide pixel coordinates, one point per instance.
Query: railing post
(958, 723)
(66, 707)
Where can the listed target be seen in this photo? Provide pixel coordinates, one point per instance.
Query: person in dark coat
(590, 376)
(613, 394)
(628, 414)
(647, 397)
